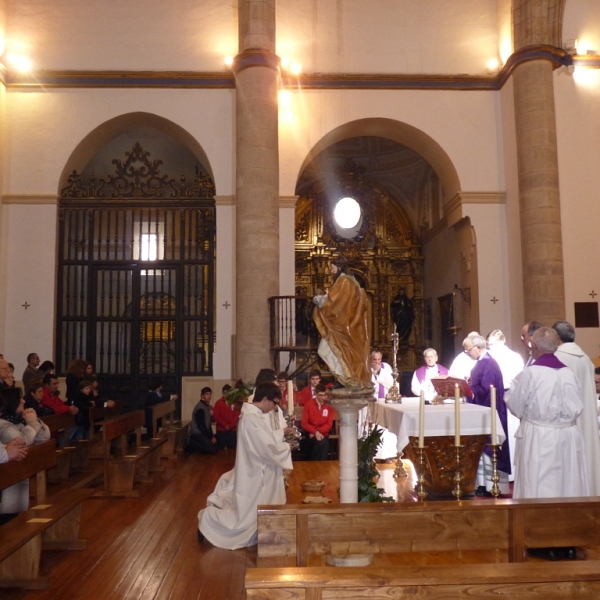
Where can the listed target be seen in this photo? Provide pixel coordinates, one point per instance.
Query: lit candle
(493, 407)
(422, 420)
(290, 395)
(456, 415)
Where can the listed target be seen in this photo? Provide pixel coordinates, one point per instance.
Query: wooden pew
(129, 463)
(508, 526)
(548, 581)
(51, 524)
(97, 415)
(173, 430)
(69, 456)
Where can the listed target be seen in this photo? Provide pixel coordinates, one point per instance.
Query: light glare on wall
(296, 68)
(228, 60)
(493, 65)
(18, 61)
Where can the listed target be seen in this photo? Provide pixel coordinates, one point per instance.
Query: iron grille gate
(136, 293)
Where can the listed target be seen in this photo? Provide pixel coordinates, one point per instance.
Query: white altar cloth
(403, 419)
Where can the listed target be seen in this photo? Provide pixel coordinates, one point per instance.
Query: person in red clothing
(226, 417)
(308, 393)
(317, 421)
(51, 397)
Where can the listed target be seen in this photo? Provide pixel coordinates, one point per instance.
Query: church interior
(170, 174)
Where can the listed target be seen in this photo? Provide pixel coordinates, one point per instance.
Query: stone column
(257, 184)
(537, 158)
(348, 403)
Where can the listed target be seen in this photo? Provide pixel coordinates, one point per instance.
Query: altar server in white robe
(550, 455)
(383, 380)
(230, 520)
(463, 364)
(578, 361)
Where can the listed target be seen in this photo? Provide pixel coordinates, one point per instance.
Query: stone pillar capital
(255, 57)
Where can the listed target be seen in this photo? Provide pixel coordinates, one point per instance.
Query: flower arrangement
(239, 392)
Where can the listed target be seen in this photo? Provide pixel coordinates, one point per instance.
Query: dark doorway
(136, 275)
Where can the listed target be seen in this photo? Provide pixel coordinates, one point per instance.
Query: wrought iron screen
(136, 278)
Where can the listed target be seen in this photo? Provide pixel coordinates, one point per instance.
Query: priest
(570, 354)
(550, 456)
(229, 520)
(487, 373)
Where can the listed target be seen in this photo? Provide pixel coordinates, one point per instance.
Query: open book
(445, 386)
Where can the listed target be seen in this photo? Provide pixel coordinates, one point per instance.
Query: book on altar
(445, 386)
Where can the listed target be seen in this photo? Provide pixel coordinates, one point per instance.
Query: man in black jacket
(201, 439)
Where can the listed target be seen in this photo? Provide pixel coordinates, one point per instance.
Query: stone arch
(399, 132)
(89, 146)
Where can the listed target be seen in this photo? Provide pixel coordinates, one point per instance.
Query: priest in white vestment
(550, 455)
(383, 379)
(577, 360)
(230, 519)
(463, 364)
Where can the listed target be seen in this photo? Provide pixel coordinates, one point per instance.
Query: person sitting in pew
(18, 422)
(34, 399)
(317, 420)
(51, 397)
(155, 396)
(15, 450)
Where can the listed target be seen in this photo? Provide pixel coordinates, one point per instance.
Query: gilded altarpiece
(384, 254)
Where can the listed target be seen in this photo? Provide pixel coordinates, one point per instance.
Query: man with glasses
(229, 520)
(486, 373)
(526, 334)
(463, 364)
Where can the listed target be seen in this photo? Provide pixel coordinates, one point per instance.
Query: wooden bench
(173, 430)
(128, 463)
(69, 455)
(508, 526)
(97, 415)
(549, 581)
(52, 524)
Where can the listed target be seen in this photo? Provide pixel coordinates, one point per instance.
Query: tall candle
(456, 415)
(493, 407)
(422, 420)
(290, 395)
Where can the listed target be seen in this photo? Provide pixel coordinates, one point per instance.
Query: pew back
(39, 458)
(507, 525)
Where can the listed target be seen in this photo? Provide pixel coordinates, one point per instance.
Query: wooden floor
(147, 548)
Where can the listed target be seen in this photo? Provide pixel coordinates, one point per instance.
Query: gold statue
(341, 316)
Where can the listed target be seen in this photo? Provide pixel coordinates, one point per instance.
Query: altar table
(440, 454)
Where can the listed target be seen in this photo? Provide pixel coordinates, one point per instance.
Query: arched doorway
(136, 261)
(401, 179)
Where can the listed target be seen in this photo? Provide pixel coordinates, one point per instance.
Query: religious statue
(341, 316)
(403, 315)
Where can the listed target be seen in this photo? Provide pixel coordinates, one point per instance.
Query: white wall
(464, 124)
(29, 232)
(390, 36)
(178, 35)
(577, 98)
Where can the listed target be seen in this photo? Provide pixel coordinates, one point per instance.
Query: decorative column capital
(255, 57)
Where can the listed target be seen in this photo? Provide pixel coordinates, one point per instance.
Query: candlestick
(421, 493)
(456, 415)
(290, 394)
(422, 420)
(457, 491)
(495, 477)
(493, 407)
